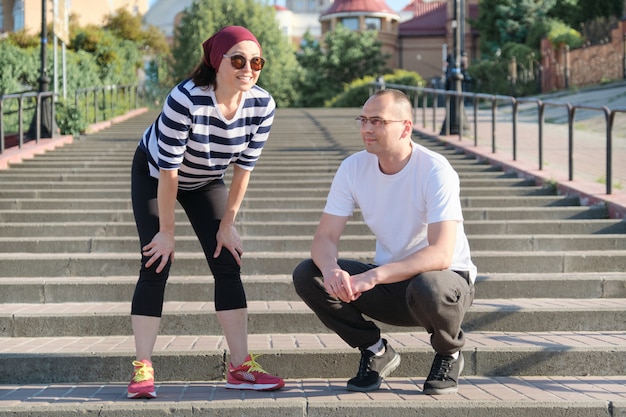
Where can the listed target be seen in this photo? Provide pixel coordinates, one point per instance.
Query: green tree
(358, 91)
(117, 59)
(344, 56)
(576, 12)
(19, 67)
(205, 17)
(128, 26)
(503, 21)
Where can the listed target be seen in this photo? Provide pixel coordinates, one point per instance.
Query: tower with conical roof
(361, 15)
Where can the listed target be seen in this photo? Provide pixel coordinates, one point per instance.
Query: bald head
(400, 103)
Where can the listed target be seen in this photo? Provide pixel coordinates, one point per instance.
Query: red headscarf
(217, 45)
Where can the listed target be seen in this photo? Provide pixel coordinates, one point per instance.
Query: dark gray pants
(436, 301)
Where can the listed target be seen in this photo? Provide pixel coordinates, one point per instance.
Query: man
(422, 274)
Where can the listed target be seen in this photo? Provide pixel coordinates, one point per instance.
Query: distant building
(361, 15)
(294, 19)
(417, 37)
(16, 15)
(165, 15)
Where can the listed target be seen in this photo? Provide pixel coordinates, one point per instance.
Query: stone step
(198, 317)
(115, 191)
(99, 174)
(272, 263)
(279, 287)
(311, 356)
(482, 187)
(307, 229)
(63, 177)
(537, 396)
(359, 243)
(295, 215)
(269, 203)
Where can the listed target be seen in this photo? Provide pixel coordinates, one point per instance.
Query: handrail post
(515, 108)
(424, 104)
(39, 106)
(493, 124)
(447, 119)
(571, 112)
(53, 115)
(1, 125)
(610, 118)
(475, 120)
(541, 118)
(461, 112)
(86, 105)
(435, 105)
(95, 105)
(20, 119)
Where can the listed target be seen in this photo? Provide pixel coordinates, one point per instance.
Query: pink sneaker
(142, 383)
(250, 375)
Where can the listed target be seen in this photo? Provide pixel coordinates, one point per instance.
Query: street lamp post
(454, 77)
(46, 123)
(44, 80)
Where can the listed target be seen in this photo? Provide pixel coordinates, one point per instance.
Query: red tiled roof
(430, 19)
(349, 6)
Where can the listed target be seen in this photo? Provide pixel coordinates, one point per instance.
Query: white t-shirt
(398, 208)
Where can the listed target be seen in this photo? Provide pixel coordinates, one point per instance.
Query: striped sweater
(193, 136)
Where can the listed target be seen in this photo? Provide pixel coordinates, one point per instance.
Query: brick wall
(583, 66)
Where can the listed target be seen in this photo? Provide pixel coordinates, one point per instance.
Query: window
(18, 15)
(351, 23)
(372, 23)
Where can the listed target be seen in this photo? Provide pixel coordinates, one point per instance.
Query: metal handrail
(514, 102)
(103, 106)
(129, 91)
(39, 96)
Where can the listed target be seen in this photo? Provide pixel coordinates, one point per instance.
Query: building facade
(17, 15)
(418, 38)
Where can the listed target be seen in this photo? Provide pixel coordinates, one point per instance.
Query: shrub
(358, 91)
(69, 118)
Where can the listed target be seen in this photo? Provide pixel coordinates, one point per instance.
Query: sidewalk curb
(15, 155)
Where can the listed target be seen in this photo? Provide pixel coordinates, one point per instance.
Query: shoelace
(142, 374)
(364, 365)
(441, 367)
(252, 364)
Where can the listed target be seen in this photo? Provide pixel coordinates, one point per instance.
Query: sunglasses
(239, 61)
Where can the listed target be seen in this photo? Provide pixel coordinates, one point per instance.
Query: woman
(215, 118)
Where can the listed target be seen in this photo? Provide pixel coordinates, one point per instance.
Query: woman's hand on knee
(228, 237)
(160, 248)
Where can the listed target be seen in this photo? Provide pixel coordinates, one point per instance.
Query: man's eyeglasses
(239, 61)
(361, 121)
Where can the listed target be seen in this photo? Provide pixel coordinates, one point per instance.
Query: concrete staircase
(546, 334)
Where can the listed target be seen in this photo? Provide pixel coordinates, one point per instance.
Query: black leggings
(204, 208)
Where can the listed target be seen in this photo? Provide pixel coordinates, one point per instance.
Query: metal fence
(102, 103)
(17, 111)
(485, 110)
(20, 113)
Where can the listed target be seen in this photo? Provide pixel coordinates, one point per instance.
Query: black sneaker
(373, 369)
(444, 375)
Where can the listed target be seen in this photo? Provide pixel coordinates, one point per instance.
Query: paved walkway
(589, 156)
(503, 396)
